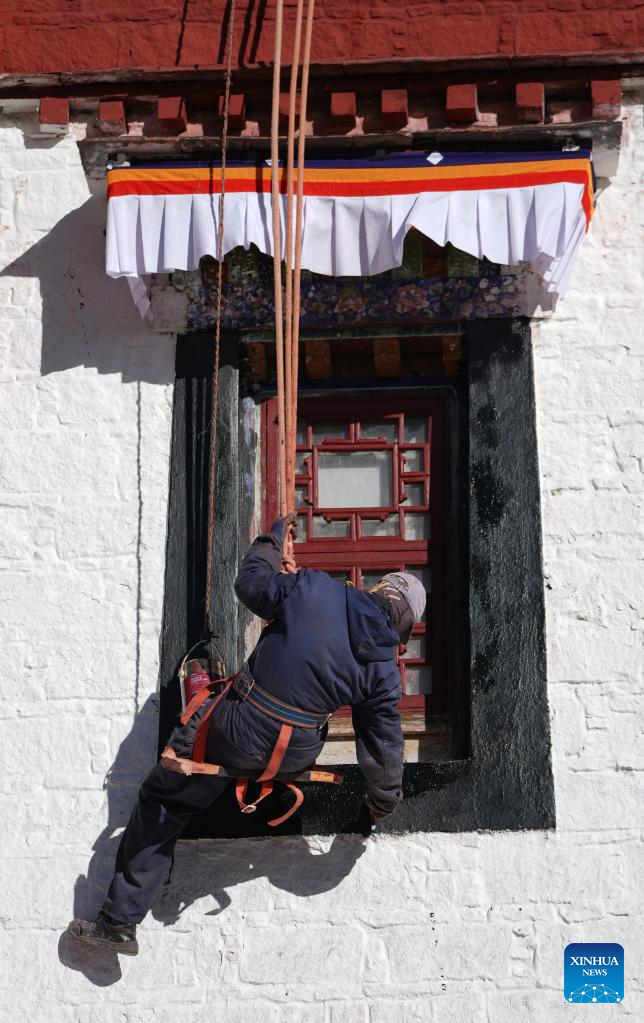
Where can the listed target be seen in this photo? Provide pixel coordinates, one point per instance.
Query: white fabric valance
(508, 208)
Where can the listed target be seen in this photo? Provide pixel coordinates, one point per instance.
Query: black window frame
(504, 779)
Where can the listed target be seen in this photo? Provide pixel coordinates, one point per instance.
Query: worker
(327, 645)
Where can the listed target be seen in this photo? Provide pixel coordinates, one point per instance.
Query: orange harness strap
(265, 780)
(199, 748)
(199, 698)
(181, 765)
(277, 755)
(241, 787)
(195, 704)
(299, 799)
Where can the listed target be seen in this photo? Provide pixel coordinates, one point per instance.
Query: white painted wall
(466, 927)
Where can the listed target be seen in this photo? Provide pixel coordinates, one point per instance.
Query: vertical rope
(208, 632)
(301, 141)
(277, 257)
(290, 397)
(287, 341)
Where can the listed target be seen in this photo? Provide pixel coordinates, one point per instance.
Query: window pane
(418, 679)
(416, 647)
(300, 432)
(417, 526)
(370, 579)
(337, 527)
(329, 431)
(387, 430)
(374, 527)
(342, 576)
(415, 429)
(354, 479)
(302, 526)
(414, 460)
(424, 574)
(300, 497)
(301, 469)
(415, 494)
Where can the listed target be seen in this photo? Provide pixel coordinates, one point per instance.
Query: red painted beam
(607, 99)
(386, 357)
(394, 108)
(111, 117)
(172, 114)
(53, 115)
(462, 103)
(236, 110)
(530, 102)
(283, 109)
(317, 358)
(343, 109)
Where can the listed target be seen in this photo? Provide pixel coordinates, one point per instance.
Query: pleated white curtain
(352, 236)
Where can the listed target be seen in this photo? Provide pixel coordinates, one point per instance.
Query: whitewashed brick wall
(468, 928)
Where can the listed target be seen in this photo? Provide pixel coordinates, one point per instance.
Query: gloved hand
(374, 816)
(284, 523)
(288, 520)
(289, 534)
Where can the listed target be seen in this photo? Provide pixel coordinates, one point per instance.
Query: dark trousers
(166, 803)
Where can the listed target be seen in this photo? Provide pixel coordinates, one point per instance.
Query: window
(500, 776)
(372, 488)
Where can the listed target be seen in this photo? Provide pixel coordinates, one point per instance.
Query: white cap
(412, 590)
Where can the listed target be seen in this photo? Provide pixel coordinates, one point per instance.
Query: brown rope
(208, 632)
(287, 340)
(277, 257)
(295, 335)
(290, 398)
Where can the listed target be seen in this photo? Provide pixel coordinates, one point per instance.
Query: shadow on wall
(89, 319)
(204, 868)
(133, 759)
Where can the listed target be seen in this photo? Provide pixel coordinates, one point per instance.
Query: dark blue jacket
(328, 646)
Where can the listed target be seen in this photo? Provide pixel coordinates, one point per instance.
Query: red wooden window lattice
(370, 496)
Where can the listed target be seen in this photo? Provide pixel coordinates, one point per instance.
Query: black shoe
(106, 933)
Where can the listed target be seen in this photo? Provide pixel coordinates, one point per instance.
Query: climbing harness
(245, 685)
(287, 714)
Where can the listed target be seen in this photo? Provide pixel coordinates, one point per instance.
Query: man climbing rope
(327, 645)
